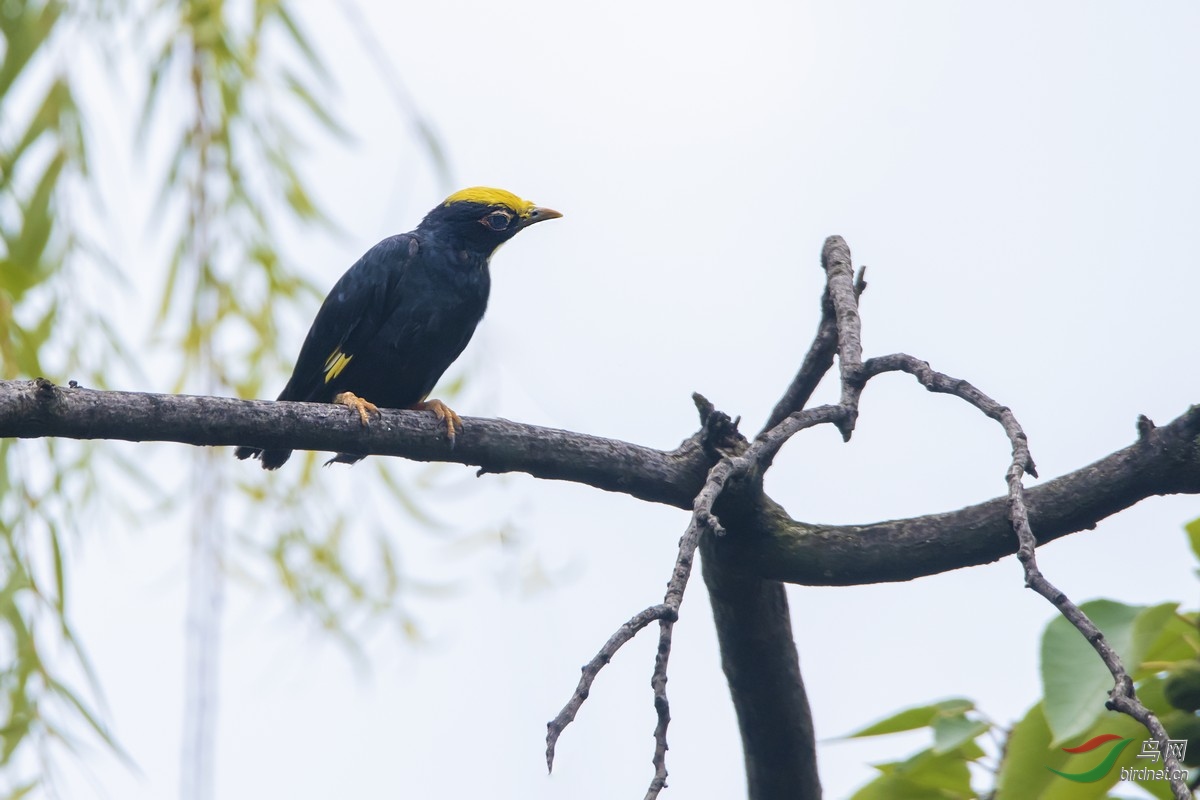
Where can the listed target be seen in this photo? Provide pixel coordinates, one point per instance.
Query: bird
(401, 315)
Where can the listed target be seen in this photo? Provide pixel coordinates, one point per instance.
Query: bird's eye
(497, 220)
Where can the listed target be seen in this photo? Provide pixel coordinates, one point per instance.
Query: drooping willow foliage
(225, 85)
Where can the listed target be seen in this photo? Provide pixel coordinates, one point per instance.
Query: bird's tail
(271, 459)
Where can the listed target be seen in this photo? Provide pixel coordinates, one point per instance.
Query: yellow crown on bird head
(488, 196)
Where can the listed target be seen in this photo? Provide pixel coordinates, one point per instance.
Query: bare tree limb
(816, 362)
(760, 662)
(717, 432)
(768, 781)
(1164, 461)
(590, 670)
(1123, 696)
(1167, 461)
(39, 408)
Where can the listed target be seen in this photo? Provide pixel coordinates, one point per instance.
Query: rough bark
(1165, 460)
(759, 658)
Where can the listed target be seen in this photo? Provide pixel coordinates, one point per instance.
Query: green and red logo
(1104, 767)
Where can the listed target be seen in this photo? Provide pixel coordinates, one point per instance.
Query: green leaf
(913, 718)
(1075, 681)
(23, 790)
(1029, 756)
(46, 118)
(28, 249)
(301, 40)
(317, 108)
(25, 27)
(924, 776)
(1177, 642)
(951, 733)
(1193, 532)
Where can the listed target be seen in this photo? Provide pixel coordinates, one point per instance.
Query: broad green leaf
(1030, 755)
(913, 718)
(1075, 681)
(892, 787)
(1179, 641)
(924, 775)
(951, 733)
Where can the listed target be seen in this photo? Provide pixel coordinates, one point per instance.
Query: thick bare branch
(38, 408)
(1164, 461)
(759, 658)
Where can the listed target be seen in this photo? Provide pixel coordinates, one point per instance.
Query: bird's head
(483, 218)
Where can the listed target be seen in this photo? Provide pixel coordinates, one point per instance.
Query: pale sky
(1023, 182)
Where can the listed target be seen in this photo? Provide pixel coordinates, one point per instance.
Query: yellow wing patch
(492, 197)
(335, 364)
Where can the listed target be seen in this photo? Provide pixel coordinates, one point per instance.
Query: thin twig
(941, 383)
(841, 312)
(1122, 697)
(816, 362)
(835, 257)
(855, 374)
(666, 613)
(702, 520)
(590, 670)
(842, 292)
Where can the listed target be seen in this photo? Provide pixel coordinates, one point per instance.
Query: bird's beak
(536, 215)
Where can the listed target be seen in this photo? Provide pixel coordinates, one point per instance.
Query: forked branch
(841, 323)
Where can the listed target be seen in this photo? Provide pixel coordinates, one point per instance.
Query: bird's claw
(444, 414)
(364, 407)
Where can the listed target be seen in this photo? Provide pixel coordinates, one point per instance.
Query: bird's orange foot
(363, 407)
(444, 414)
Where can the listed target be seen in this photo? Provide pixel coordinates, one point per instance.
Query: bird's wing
(350, 317)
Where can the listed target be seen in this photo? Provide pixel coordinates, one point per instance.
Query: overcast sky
(1023, 182)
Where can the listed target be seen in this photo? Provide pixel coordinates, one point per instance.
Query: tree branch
(1165, 461)
(759, 658)
(39, 408)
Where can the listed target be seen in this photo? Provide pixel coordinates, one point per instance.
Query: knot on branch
(45, 390)
(846, 421)
(708, 520)
(1145, 427)
(48, 398)
(719, 435)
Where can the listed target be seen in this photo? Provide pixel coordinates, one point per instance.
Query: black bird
(400, 316)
